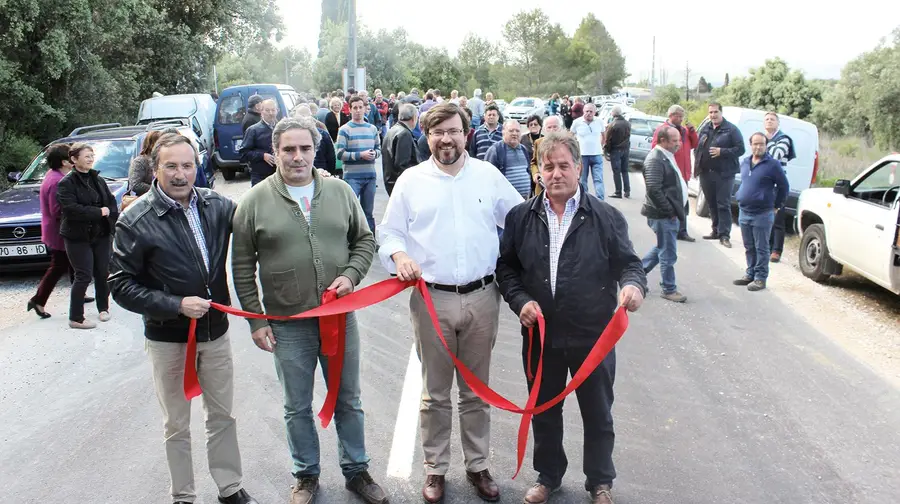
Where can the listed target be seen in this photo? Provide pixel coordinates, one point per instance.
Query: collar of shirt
(571, 204)
(174, 204)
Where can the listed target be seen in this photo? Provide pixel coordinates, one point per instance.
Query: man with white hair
(590, 136)
(454, 97)
(552, 124)
(476, 105)
(689, 141)
(398, 149)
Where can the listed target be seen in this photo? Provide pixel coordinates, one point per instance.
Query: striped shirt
(354, 139)
(193, 217)
(779, 147)
(559, 228)
(484, 139)
(518, 170)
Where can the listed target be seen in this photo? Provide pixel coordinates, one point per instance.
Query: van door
(230, 114)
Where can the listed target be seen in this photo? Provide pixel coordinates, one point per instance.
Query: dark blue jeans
(755, 230)
(363, 186)
(776, 241)
(619, 161)
(717, 190)
(665, 253)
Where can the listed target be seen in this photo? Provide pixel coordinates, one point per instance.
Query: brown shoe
(601, 495)
(775, 257)
(539, 494)
(484, 484)
(433, 491)
(363, 485)
(304, 491)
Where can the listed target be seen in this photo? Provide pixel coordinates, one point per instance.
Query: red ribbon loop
(332, 330)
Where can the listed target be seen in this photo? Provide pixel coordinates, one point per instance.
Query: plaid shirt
(558, 230)
(193, 217)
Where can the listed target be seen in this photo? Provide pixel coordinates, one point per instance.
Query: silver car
(522, 108)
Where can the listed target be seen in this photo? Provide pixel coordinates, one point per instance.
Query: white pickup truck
(855, 225)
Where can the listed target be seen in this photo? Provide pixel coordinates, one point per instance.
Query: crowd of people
(484, 211)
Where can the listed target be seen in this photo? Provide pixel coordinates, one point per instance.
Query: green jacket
(297, 261)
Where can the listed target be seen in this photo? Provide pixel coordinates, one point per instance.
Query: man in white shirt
(590, 134)
(441, 224)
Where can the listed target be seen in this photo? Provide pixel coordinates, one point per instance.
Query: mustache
(179, 182)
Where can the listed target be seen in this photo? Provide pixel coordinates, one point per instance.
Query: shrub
(15, 153)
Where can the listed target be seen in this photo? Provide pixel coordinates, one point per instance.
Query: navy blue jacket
(764, 186)
(325, 156)
(257, 142)
(728, 138)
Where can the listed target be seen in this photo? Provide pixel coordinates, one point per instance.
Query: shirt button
(546, 280)
(317, 261)
(321, 287)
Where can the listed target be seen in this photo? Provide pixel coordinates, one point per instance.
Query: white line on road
(403, 445)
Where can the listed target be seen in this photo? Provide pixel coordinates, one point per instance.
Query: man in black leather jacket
(716, 160)
(664, 208)
(168, 263)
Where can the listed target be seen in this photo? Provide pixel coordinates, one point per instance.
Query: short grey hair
(407, 112)
(168, 140)
(291, 123)
(559, 121)
(554, 139)
(617, 110)
(477, 92)
(675, 109)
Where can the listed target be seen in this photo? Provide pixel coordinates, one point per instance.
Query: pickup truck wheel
(702, 207)
(814, 253)
(227, 173)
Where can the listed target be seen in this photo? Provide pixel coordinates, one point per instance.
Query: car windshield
(112, 158)
(522, 103)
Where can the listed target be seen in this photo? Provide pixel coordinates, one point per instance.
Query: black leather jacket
(156, 263)
(80, 197)
(729, 139)
(596, 258)
(663, 188)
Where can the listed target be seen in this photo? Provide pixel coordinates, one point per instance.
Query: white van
(801, 171)
(199, 109)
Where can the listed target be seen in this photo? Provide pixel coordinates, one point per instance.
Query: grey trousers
(469, 323)
(215, 369)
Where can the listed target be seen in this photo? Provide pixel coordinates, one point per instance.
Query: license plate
(237, 144)
(22, 250)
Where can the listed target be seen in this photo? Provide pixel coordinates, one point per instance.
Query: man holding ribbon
(168, 263)
(308, 235)
(565, 255)
(441, 224)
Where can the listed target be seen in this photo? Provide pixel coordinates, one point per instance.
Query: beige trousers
(215, 369)
(469, 323)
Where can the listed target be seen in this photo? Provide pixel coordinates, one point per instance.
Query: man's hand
(631, 298)
(264, 338)
(368, 155)
(342, 285)
(104, 212)
(269, 158)
(529, 314)
(323, 172)
(407, 269)
(194, 307)
(715, 152)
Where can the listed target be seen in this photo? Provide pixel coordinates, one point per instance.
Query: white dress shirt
(447, 224)
(590, 136)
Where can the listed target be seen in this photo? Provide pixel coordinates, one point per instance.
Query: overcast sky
(734, 36)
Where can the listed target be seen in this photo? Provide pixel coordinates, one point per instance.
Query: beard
(448, 154)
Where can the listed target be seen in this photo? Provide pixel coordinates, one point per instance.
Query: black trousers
(717, 190)
(776, 239)
(89, 259)
(682, 231)
(595, 400)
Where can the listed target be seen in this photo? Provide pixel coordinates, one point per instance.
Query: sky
(816, 40)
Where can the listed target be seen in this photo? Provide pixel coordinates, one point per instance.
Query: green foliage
(16, 152)
(610, 63)
(264, 63)
(773, 86)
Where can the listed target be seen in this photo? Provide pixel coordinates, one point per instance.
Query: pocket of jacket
(286, 287)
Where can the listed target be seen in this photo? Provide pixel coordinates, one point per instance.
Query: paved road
(731, 398)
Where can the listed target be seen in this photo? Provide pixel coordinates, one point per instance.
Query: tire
(814, 253)
(702, 206)
(227, 173)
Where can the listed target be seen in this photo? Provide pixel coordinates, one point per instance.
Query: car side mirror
(842, 187)
(13, 177)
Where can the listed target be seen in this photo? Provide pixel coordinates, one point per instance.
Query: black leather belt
(463, 289)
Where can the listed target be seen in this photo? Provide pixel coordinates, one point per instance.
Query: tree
(523, 36)
(702, 85)
(727, 80)
(773, 86)
(334, 12)
(610, 62)
(475, 56)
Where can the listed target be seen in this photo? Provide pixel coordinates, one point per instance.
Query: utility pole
(687, 80)
(351, 46)
(216, 79)
(653, 69)
(287, 75)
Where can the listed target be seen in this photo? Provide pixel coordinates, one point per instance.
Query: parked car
(642, 128)
(854, 225)
(522, 108)
(230, 110)
(199, 110)
(801, 171)
(114, 148)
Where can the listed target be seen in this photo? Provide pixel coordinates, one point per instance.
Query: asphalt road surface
(730, 398)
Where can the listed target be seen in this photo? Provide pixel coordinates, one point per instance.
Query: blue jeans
(755, 230)
(363, 186)
(665, 253)
(594, 164)
(296, 352)
(619, 161)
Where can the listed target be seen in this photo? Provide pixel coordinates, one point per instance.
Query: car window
(288, 100)
(522, 103)
(195, 125)
(880, 179)
(640, 127)
(231, 110)
(112, 158)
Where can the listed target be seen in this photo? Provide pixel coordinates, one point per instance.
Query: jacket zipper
(203, 272)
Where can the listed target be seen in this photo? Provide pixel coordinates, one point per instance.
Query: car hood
(22, 203)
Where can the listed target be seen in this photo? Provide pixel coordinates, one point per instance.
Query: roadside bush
(844, 157)
(847, 147)
(15, 153)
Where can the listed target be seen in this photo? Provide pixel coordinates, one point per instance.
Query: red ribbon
(332, 325)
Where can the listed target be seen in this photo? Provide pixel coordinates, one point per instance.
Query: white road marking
(404, 442)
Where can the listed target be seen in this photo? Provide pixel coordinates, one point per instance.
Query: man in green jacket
(307, 234)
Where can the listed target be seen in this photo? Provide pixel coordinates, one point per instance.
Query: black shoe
(615, 195)
(711, 236)
(686, 237)
(757, 285)
(41, 313)
(365, 487)
(240, 497)
(725, 242)
(744, 280)
(88, 299)
(627, 195)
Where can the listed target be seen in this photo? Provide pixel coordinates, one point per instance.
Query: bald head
(512, 132)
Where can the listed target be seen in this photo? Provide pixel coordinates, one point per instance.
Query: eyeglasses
(441, 133)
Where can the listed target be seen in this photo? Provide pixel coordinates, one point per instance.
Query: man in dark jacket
(168, 263)
(398, 150)
(720, 147)
(618, 146)
(565, 254)
(664, 208)
(764, 187)
(256, 148)
(252, 116)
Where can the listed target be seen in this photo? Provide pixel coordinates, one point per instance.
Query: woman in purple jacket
(60, 164)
